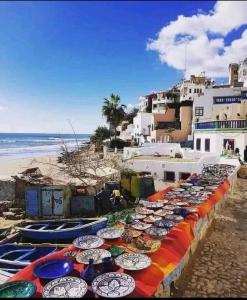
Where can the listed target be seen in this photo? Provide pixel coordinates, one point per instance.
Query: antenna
(185, 58)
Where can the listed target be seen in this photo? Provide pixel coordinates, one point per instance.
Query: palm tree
(114, 112)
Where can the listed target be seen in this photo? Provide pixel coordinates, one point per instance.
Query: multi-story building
(233, 74)
(242, 72)
(141, 126)
(220, 120)
(194, 87)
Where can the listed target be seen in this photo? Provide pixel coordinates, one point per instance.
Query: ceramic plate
(161, 212)
(115, 251)
(165, 224)
(174, 218)
(169, 207)
(138, 216)
(88, 242)
(156, 232)
(110, 232)
(113, 285)
(97, 255)
(155, 204)
(141, 226)
(155, 245)
(144, 211)
(65, 287)
(186, 184)
(133, 261)
(17, 289)
(53, 268)
(178, 190)
(152, 219)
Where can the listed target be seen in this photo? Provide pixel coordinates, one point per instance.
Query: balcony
(221, 125)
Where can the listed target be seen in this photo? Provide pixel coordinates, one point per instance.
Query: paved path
(219, 265)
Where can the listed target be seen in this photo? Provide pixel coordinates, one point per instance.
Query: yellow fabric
(116, 193)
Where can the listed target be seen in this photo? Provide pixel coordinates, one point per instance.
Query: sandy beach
(11, 167)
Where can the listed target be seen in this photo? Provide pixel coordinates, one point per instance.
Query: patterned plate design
(88, 242)
(138, 216)
(144, 211)
(155, 246)
(65, 287)
(153, 204)
(178, 190)
(141, 226)
(113, 285)
(156, 232)
(17, 289)
(110, 232)
(133, 261)
(163, 212)
(97, 255)
(152, 219)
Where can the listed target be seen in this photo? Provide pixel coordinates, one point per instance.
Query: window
(194, 90)
(198, 144)
(184, 176)
(199, 111)
(244, 72)
(190, 91)
(207, 145)
(228, 143)
(169, 176)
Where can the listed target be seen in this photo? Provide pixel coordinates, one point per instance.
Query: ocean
(22, 145)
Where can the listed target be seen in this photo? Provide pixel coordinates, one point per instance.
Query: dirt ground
(219, 265)
(5, 223)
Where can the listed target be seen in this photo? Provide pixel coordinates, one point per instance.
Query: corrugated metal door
(47, 202)
(58, 202)
(32, 202)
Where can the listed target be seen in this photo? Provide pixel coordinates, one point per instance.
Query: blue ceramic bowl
(53, 268)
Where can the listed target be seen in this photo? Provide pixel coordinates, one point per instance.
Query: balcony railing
(229, 124)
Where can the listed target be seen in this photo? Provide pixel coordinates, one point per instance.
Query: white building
(142, 126)
(194, 87)
(242, 72)
(220, 120)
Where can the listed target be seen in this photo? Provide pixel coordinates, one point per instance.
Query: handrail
(222, 124)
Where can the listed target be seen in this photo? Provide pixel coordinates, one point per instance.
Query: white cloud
(204, 35)
(3, 108)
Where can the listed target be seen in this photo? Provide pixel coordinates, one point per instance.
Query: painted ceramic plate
(138, 216)
(178, 190)
(133, 261)
(155, 245)
(169, 207)
(141, 226)
(135, 233)
(53, 268)
(164, 201)
(152, 219)
(155, 204)
(174, 218)
(162, 212)
(186, 184)
(97, 255)
(65, 287)
(17, 289)
(115, 251)
(181, 203)
(144, 211)
(110, 233)
(88, 242)
(165, 224)
(113, 285)
(156, 232)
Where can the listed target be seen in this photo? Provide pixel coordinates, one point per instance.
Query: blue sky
(58, 60)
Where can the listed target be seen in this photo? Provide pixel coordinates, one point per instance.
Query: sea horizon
(23, 145)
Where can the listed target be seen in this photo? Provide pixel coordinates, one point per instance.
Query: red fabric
(173, 248)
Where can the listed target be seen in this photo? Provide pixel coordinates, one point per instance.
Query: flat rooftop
(162, 158)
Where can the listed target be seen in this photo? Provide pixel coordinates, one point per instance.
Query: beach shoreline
(12, 166)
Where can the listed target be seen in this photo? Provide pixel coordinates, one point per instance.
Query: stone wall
(7, 190)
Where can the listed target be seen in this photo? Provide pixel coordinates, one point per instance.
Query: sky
(59, 60)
